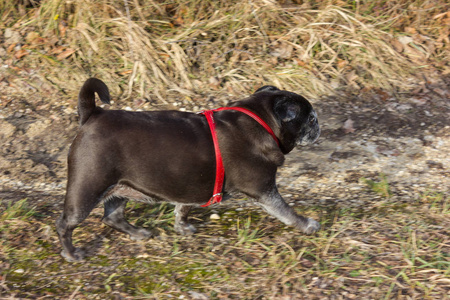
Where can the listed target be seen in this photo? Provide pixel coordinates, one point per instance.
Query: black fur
(169, 156)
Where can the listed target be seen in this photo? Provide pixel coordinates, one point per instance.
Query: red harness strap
(220, 171)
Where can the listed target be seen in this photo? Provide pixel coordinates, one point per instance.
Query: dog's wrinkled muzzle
(311, 133)
(310, 137)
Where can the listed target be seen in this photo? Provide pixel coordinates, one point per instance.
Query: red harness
(220, 171)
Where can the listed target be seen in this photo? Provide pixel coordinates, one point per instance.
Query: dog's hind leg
(275, 205)
(182, 225)
(73, 214)
(114, 217)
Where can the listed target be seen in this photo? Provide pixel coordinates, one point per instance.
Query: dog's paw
(185, 229)
(77, 256)
(140, 234)
(311, 227)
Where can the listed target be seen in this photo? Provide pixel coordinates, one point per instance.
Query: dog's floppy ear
(287, 110)
(267, 88)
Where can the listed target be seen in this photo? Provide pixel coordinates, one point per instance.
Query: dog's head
(295, 116)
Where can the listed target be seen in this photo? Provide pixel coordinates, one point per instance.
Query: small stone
(214, 217)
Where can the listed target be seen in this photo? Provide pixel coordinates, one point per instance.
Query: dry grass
(161, 49)
(389, 252)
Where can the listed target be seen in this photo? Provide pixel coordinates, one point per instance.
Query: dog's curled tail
(86, 97)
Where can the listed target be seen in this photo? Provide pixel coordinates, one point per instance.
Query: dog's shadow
(156, 218)
(97, 245)
(160, 218)
(93, 246)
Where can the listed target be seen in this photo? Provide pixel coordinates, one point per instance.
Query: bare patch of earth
(405, 141)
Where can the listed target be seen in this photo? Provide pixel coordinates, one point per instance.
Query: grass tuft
(381, 187)
(19, 210)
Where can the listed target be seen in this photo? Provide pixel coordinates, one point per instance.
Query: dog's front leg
(182, 226)
(275, 205)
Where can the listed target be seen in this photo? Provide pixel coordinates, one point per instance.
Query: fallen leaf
(178, 18)
(57, 50)
(283, 51)
(438, 16)
(341, 63)
(383, 95)
(398, 46)
(126, 72)
(447, 21)
(11, 48)
(214, 82)
(405, 40)
(62, 26)
(21, 53)
(65, 54)
(418, 101)
(351, 77)
(39, 41)
(138, 102)
(306, 263)
(31, 37)
(440, 92)
(197, 295)
(414, 54)
(410, 30)
(300, 62)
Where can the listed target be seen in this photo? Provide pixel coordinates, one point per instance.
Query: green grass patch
(19, 210)
(380, 187)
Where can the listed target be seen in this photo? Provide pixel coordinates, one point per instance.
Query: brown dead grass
(161, 49)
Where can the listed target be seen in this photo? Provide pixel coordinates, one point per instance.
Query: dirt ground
(406, 139)
(402, 139)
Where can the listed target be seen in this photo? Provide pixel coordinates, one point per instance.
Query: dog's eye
(311, 120)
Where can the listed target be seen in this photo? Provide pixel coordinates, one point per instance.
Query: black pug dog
(169, 156)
